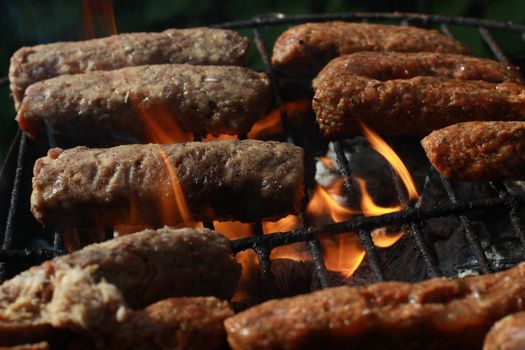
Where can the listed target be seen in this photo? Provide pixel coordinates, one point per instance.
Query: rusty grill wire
(410, 218)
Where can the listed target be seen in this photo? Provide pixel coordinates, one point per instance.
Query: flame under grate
(16, 170)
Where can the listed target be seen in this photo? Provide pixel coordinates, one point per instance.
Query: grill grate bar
(415, 231)
(364, 236)
(471, 236)
(385, 16)
(15, 255)
(498, 186)
(10, 153)
(313, 245)
(494, 47)
(15, 194)
(446, 30)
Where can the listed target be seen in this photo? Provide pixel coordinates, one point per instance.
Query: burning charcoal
(158, 103)
(306, 48)
(434, 314)
(168, 184)
(86, 290)
(195, 45)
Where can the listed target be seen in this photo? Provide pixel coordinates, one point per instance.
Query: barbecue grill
(20, 227)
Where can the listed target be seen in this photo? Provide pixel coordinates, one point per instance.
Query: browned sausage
(138, 184)
(507, 334)
(435, 314)
(304, 49)
(412, 106)
(478, 151)
(127, 105)
(195, 46)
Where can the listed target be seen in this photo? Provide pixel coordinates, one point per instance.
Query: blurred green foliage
(28, 22)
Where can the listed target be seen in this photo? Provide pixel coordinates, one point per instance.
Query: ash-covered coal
(445, 236)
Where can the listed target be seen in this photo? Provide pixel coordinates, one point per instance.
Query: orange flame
(383, 238)
(210, 137)
(287, 223)
(166, 205)
(343, 254)
(99, 18)
(388, 153)
(161, 126)
(270, 125)
(248, 259)
(368, 206)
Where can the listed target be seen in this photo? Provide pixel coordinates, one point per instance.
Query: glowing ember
(378, 144)
(99, 18)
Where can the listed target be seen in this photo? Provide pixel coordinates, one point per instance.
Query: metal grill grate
(410, 218)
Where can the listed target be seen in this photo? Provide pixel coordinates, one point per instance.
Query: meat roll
(139, 184)
(405, 65)
(95, 286)
(177, 323)
(434, 314)
(507, 333)
(478, 151)
(128, 105)
(304, 49)
(411, 106)
(194, 46)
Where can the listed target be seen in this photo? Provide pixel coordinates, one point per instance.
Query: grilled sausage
(177, 323)
(411, 106)
(128, 105)
(139, 184)
(195, 46)
(90, 288)
(405, 65)
(478, 151)
(304, 49)
(507, 333)
(434, 314)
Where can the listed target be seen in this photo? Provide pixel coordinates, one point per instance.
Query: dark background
(27, 22)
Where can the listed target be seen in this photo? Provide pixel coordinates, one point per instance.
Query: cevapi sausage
(148, 184)
(202, 46)
(130, 105)
(398, 99)
(435, 314)
(478, 151)
(303, 50)
(100, 284)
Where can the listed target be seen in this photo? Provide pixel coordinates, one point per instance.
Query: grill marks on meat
(478, 151)
(86, 290)
(221, 180)
(304, 49)
(434, 314)
(507, 333)
(408, 103)
(200, 46)
(116, 107)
